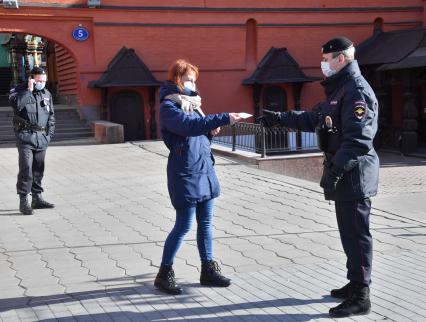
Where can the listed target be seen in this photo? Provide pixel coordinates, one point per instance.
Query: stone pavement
(94, 257)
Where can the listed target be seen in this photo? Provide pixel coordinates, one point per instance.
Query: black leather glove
(331, 177)
(269, 118)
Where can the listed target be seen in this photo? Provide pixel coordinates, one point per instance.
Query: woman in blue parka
(191, 178)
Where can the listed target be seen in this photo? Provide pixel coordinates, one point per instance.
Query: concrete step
(58, 108)
(6, 115)
(75, 141)
(57, 137)
(76, 130)
(68, 124)
(4, 132)
(57, 129)
(63, 123)
(58, 118)
(66, 142)
(58, 125)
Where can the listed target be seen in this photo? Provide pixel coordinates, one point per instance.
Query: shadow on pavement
(10, 212)
(126, 316)
(113, 293)
(410, 235)
(151, 298)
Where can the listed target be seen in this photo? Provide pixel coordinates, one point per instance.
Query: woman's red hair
(179, 69)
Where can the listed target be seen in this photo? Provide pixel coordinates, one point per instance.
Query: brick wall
(67, 76)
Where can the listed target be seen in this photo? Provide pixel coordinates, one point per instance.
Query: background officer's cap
(336, 44)
(38, 71)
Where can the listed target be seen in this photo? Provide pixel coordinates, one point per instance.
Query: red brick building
(226, 39)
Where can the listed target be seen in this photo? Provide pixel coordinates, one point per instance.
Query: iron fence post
(234, 136)
(263, 141)
(298, 140)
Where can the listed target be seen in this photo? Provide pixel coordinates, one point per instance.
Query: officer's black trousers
(353, 219)
(31, 170)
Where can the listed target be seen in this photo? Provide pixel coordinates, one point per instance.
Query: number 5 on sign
(80, 34)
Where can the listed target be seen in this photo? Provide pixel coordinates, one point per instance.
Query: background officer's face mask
(326, 69)
(39, 85)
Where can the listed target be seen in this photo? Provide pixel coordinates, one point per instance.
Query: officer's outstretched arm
(357, 117)
(297, 120)
(300, 120)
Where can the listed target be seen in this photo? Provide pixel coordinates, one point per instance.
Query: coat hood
(168, 88)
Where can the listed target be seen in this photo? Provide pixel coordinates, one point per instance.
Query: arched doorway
(21, 52)
(275, 99)
(127, 108)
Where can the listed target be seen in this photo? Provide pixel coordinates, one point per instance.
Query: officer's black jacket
(37, 108)
(352, 106)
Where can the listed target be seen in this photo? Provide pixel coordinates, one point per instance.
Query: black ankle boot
(343, 292)
(39, 203)
(357, 304)
(24, 206)
(165, 281)
(211, 276)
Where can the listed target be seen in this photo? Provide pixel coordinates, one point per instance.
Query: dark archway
(127, 108)
(25, 51)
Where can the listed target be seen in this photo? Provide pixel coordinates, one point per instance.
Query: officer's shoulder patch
(360, 108)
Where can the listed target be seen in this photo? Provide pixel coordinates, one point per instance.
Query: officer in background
(34, 125)
(345, 123)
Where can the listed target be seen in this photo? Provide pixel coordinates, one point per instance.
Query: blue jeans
(184, 217)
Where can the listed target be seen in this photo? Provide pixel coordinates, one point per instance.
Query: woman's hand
(215, 131)
(234, 118)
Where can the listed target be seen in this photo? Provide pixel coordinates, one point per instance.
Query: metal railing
(265, 141)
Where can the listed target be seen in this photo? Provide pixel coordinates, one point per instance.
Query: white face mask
(326, 69)
(39, 85)
(190, 86)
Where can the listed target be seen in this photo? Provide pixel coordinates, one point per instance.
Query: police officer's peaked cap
(336, 44)
(38, 71)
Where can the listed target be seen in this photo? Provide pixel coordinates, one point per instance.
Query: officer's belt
(36, 128)
(27, 126)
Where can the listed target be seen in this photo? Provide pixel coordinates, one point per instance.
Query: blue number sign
(80, 34)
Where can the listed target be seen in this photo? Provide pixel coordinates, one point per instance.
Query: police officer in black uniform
(34, 125)
(345, 123)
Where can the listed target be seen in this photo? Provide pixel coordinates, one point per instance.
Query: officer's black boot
(24, 206)
(211, 276)
(39, 203)
(165, 281)
(344, 292)
(357, 304)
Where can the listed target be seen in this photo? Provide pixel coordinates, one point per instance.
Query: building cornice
(276, 25)
(228, 9)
